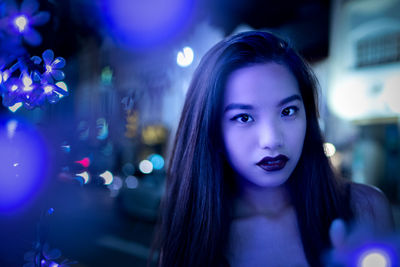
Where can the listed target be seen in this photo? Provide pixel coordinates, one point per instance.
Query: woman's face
(263, 123)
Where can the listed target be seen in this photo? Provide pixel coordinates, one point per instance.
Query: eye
(289, 111)
(242, 118)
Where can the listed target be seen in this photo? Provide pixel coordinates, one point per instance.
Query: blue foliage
(42, 255)
(26, 80)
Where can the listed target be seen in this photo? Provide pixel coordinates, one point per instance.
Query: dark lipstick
(273, 164)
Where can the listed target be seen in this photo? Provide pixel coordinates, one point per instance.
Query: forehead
(260, 84)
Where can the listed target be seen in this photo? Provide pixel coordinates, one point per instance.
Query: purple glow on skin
(145, 24)
(264, 124)
(23, 165)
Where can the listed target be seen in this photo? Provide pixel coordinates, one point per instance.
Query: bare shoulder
(372, 207)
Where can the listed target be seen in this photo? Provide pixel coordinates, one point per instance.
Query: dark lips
(273, 164)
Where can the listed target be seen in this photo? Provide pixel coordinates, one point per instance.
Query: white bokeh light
(108, 177)
(375, 258)
(84, 175)
(145, 166)
(329, 149)
(185, 57)
(349, 99)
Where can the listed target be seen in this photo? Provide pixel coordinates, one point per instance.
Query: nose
(270, 135)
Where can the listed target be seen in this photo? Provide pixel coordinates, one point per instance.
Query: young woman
(248, 182)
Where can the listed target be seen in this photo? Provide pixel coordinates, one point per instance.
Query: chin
(265, 182)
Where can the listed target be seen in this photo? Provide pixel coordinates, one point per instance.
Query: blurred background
(82, 162)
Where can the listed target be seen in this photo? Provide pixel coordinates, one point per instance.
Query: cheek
(298, 135)
(231, 142)
(234, 142)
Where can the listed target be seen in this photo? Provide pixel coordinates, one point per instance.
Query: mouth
(273, 164)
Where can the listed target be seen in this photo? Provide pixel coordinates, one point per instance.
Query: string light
(21, 22)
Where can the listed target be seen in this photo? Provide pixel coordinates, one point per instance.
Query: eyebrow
(289, 99)
(245, 106)
(237, 106)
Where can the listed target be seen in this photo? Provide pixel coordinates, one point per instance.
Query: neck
(269, 201)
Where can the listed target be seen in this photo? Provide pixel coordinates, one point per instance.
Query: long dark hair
(195, 211)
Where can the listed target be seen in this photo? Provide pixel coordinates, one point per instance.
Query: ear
(337, 233)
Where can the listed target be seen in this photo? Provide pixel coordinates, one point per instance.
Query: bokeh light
(115, 186)
(106, 75)
(185, 57)
(128, 169)
(23, 163)
(65, 147)
(83, 177)
(131, 182)
(145, 166)
(342, 98)
(145, 24)
(85, 162)
(375, 258)
(329, 149)
(157, 161)
(108, 177)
